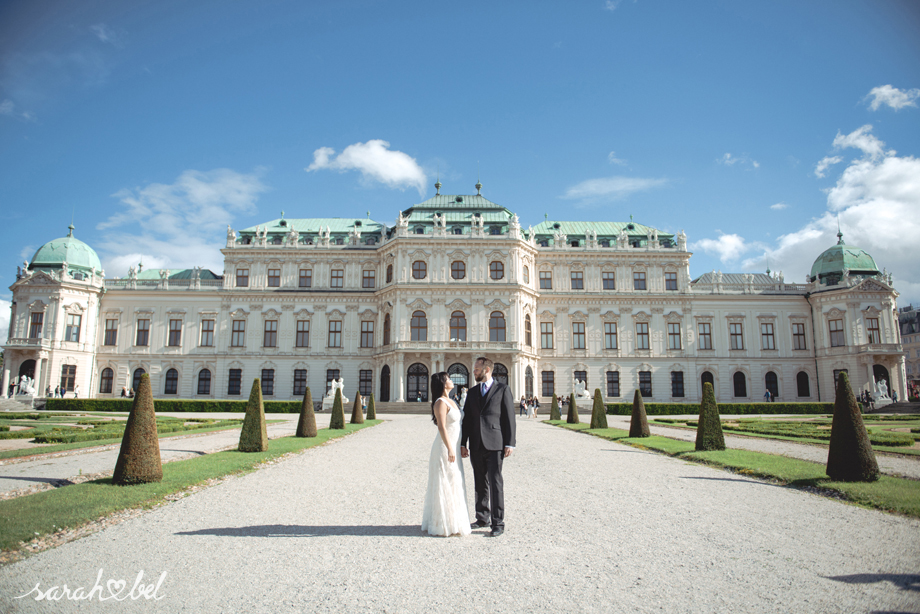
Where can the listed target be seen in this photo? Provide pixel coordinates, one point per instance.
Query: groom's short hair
(486, 363)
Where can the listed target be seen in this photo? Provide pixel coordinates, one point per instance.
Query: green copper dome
(842, 257)
(76, 253)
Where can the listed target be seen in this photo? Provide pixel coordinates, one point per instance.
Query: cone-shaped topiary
(638, 423)
(139, 457)
(554, 409)
(337, 419)
(357, 413)
(371, 408)
(253, 437)
(709, 430)
(572, 418)
(599, 411)
(306, 426)
(850, 457)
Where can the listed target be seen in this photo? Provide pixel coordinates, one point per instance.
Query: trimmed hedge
(673, 409)
(170, 405)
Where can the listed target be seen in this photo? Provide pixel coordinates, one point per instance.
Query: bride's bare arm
(440, 411)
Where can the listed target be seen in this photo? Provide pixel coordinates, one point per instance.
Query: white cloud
(8, 108)
(728, 248)
(862, 139)
(177, 225)
(825, 162)
(612, 158)
(611, 188)
(893, 97)
(27, 252)
(103, 33)
(376, 162)
(5, 307)
(611, 5)
(731, 160)
(779, 206)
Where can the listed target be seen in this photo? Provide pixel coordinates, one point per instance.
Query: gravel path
(891, 465)
(592, 526)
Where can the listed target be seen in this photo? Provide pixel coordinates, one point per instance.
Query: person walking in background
(523, 406)
(76, 391)
(766, 396)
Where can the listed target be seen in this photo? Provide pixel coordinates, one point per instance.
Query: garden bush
(709, 430)
(254, 436)
(675, 409)
(337, 417)
(357, 413)
(371, 408)
(554, 409)
(850, 457)
(306, 425)
(598, 412)
(572, 417)
(638, 423)
(168, 405)
(139, 456)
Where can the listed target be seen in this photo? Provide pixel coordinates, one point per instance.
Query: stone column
(39, 391)
(399, 379)
(871, 376)
(516, 378)
(6, 378)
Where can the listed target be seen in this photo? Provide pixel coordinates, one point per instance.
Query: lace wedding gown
(445, 510)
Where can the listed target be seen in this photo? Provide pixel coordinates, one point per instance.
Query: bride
(445, 510)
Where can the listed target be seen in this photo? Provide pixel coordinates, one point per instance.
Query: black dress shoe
(496, 532)
(479, 525)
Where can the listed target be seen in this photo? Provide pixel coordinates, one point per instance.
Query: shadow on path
(283, 530)
(906, 582)
(746, 481)
(56, 482)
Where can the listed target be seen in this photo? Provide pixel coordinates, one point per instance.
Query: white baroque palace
(303, 302)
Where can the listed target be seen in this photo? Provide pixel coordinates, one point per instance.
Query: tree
(357, 413)
(709, 429)
(850, 457)
(139, 457)
(572, 418)
(337, 419)
(254, 437)
(638, 423)
(371, 408)
(599, 411)
(306, 426)
(554, 409)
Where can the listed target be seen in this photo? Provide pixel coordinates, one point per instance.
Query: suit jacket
(488, 422)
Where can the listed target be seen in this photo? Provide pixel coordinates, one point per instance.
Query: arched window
(417, 383)
(496, 270)
(707, 378)
(419, 269)
(497, 326)
(385, 384)
(459, 375)
(803, 386)
(528, 332)
(136, 379)
(528, 382)
(772, 384)
(526, 274)
(419, 326)
(740, 384)
(500, 373)
(389, 273)
(458, 326)
(204, 381)
(105, 381)
(172, 382)
(386, 330)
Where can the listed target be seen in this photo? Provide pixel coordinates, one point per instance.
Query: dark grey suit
(488, 428)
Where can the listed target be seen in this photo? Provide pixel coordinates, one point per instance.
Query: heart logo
(119, 584)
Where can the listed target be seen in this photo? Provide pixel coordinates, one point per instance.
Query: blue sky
(749, 125)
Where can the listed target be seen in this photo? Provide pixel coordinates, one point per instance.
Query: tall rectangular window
(270, 336)
(367, 334)
(72, 332)
(111, 332)
(300, 382)
(68, 377)
(274, 278)
(639, 280)
(331, 374)
(609, 279)
(798, 337)
(677, 383)
(613, 383)
(238, 334)
(768, 342)
(306, 278)
(546, 335)
(369, 279)
(641, 335)
(242, 278)
(143, 333)
(837, 337)
(546, 280)
(549, 386)
(837, 373)
(175, 333)
(207, 333)
(645, 383)
(365, 382)
(872, 330)
(578, 335)
(35, 326)
(670, 282)
(268, 382)
(335, 334)
(736, 332)
(337, 279)
(303, 333)
(578, 280)
(610, 335)
(673, 335)
(705, 331)
(234, 382)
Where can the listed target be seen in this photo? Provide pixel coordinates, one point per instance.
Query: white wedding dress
(445, 510)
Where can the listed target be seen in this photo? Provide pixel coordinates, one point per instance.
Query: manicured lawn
(24, 518)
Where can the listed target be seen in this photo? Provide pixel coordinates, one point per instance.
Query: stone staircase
(898, 408)
(403, 408)
(20, 403)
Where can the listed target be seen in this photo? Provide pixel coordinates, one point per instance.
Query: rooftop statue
(682, 241)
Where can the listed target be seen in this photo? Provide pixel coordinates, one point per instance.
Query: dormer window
(371, 241)
(340, 241)
(495, 230)
(247, 240)
(419, 231)
(276, 240)
(574, 243)
(458, 230)
(544, 243)
(605, 243)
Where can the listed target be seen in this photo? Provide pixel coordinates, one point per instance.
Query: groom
(488, 428)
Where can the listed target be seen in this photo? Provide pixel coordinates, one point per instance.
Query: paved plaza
(592, 526)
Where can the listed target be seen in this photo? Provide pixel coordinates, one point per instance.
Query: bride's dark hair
(438, 383)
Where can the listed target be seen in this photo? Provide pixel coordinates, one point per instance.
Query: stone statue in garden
(581, 390)
(329, 399)
(882, 387)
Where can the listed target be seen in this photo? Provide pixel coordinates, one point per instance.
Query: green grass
(891, 494)
(24, 518)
